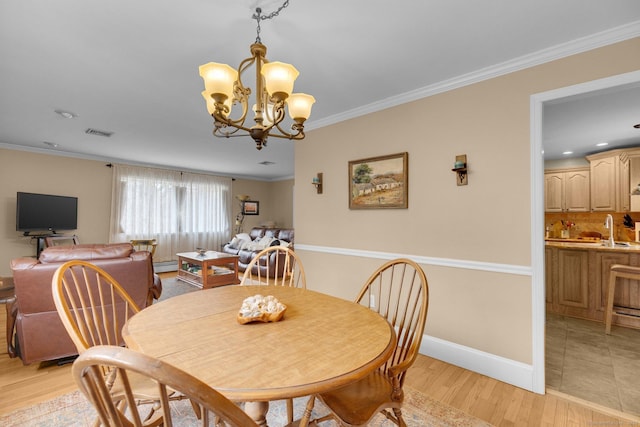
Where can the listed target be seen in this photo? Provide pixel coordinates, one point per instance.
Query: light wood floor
(493, 401)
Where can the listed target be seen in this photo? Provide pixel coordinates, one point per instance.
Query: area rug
(172, 287)
(73, 410)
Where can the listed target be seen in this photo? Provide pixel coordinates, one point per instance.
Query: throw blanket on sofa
(247, 245)
(243, 241)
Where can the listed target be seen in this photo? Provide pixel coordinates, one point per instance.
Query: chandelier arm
(279, 114)
(217, 132)
(221, 122)
(240, 95)
(240, 120)
(289, 135)
(286, 135)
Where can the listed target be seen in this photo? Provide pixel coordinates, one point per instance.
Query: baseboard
(164, 267)
(506, 370)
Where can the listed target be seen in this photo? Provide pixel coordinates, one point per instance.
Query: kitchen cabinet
(624, 188)
(634, 177)
(567, 281)
(567, 190)
(573, 275)
(577, 276)
(549, 279)
(610, 181)
(603, 184)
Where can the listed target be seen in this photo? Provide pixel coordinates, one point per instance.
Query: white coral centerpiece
(261, 308)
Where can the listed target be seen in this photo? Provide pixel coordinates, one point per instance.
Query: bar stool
(617, 271)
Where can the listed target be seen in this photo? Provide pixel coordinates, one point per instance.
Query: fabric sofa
(247, 246)
(39, 333)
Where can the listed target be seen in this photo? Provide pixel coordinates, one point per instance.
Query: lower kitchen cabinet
(567, 275)
(577, 280)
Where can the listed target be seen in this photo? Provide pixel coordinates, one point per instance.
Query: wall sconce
(317, 182)
(460, 168)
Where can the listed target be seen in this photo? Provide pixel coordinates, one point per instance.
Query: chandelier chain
(258, 16)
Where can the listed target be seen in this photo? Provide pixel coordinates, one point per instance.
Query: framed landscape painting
(250, 207)
(379, 182)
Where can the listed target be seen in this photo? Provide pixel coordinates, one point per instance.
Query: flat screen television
(46, 212)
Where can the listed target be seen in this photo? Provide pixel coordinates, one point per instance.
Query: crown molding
(583, 44)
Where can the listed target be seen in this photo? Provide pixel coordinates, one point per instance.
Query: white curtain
(182, 211)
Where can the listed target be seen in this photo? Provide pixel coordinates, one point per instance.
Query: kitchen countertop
(593, 244)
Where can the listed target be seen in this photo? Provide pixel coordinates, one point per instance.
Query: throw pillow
(285, 243)
(246, 245)
(233, 244)
(275, 242)
(243, 236)
(265, 241)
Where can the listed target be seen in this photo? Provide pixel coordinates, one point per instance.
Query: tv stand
(41, 244)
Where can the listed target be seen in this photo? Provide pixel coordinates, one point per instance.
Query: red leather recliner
(39, 333)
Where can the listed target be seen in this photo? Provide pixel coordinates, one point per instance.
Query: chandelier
(224, 89)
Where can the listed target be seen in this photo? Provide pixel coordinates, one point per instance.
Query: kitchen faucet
(608, 224)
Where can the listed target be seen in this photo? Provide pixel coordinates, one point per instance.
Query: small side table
(8, 298)
(208, 270)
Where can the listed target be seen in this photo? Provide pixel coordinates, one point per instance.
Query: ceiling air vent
(97, 132)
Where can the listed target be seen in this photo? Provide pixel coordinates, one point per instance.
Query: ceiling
(595, 121)
(131, 68)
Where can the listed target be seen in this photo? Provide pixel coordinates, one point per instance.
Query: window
(181, 210)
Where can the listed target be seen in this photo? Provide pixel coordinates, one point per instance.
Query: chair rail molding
(520, 270)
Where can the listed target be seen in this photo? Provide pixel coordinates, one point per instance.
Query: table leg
(257, 411)
(304, 421)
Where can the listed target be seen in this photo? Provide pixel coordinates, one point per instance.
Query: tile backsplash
(590, 221)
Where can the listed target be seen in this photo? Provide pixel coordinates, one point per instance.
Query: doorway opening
(539, 138)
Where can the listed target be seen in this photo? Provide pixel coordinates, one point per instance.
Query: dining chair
(275, 265)
(93, 308)
(92, 305)
(123, 409)
(398, 291)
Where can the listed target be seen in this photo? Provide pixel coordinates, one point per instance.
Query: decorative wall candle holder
(317, 182)
(460, 168)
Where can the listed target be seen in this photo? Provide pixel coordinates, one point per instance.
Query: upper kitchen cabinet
(634, 177)
(567, 190)
(610, 181)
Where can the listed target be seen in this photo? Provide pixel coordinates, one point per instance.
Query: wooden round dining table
(321, 344)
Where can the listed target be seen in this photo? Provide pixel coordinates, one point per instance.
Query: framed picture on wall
(379, 182)
(251, 207)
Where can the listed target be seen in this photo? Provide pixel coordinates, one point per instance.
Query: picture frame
(250, 207)
(379, 182)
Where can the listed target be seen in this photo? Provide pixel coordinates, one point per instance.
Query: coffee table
(208, 270)
(322, 343)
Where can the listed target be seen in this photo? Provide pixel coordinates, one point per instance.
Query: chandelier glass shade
(238, 110)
